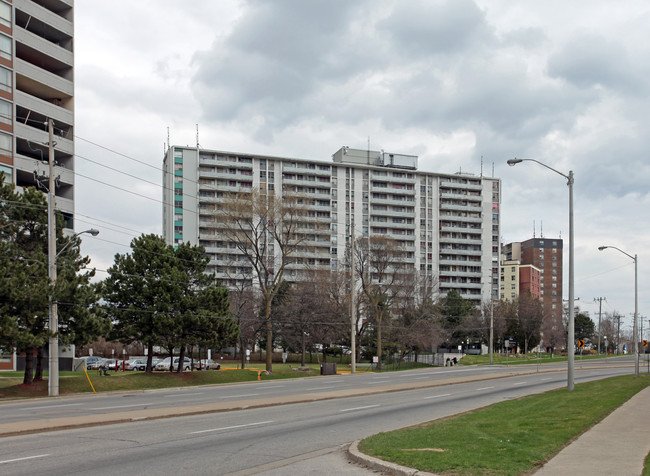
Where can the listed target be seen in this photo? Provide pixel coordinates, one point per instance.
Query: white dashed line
(231, 427)
(438, 396)
(358, 408)
(22, 459)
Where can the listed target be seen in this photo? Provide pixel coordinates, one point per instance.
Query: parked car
(136, 364)
(93, 362)
(110, 364)
(164, 364)
(206, 364)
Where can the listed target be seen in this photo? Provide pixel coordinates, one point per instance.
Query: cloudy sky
(462, 84)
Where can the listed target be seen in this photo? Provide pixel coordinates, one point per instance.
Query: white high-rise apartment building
(446, 224)
(37, 84)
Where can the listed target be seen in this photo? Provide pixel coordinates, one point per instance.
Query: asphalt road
(303, 438)
(113, 403)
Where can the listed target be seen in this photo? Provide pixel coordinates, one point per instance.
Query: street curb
(377, 464)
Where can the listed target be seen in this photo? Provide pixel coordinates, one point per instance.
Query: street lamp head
(514, 161)
(601, 248)
(93, 231)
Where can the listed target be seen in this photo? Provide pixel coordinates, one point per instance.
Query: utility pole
(353, 322)
(53, 348)
(600, 312)
(618, 331)
(491, 329)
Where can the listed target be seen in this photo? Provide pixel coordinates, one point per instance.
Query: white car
(164, 364)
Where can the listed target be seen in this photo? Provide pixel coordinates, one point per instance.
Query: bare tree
(530, 314)
(379, 265)
(263, 228)
(244, 300)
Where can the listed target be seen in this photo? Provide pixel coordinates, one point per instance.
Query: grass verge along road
(509, 438)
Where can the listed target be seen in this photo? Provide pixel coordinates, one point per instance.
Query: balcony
(46, 16)
(446, 183)
(40, 136)
(460, 241)
(47, 109)
(457, 252)
(29, 45)
(461, 208)
(49, 84)
(66, 176)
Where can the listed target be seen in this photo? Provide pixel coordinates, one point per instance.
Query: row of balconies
(460, 208)
(306, 170)
(448, 183)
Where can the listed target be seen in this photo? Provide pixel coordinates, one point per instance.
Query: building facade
(37, 84)
(517, 279)
(447, 225)
(546, 255)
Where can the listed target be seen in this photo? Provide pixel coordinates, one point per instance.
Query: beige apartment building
(448, 225)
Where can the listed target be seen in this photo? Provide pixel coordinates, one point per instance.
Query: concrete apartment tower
(448, 225)
(37, 84)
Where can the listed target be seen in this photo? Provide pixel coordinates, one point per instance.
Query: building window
(5, 14)
(5, 47)
(6, 115)
(5, 79)
(6, 143)
(7, 171)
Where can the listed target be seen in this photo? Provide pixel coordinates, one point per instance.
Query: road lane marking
(484, 388)
(320, 388)
(519, 383)
(358, 408)
(231, 427)
(438, 396)
(55, 406)
(23, 459)
(421, 378)
(239, 396)
(264, 387)
(547, 378)
(122, 406)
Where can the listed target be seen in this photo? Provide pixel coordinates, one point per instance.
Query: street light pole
(571, 325)
(636, 305)
(53, 347)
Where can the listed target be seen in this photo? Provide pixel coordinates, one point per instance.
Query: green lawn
(525, 359)
(76, 382)
(508, 438)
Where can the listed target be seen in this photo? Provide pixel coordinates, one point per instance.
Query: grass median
(76, 382)
(509, 438)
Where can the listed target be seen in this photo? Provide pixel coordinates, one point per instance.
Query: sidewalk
(617, 446)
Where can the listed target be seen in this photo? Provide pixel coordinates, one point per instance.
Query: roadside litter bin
(328, 368)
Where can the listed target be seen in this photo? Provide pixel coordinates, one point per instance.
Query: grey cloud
(588, 60)
(436, 27)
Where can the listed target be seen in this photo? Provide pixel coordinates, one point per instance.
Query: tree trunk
(29, 367)
(181, 360)
(304, 350)
(269, 337)
(149, 358)
(38, 375)
(242, 353)
(379, 344)
(171, 359)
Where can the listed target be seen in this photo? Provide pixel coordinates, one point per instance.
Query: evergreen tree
(159, 295)
(25, 288)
